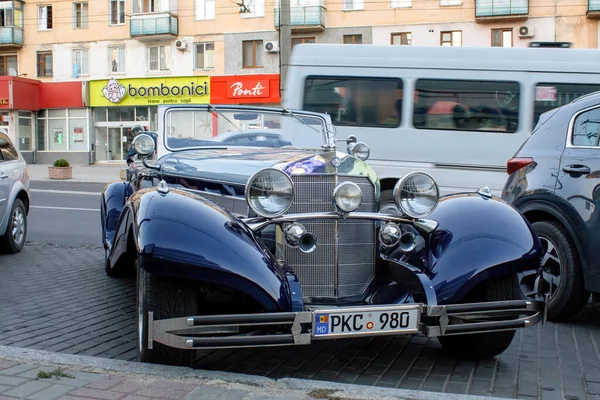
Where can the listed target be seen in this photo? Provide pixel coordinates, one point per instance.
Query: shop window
(451, 38)
(44, 64)
(6, 63)
(63, 130)
(205, 55)
(502, 37)
(80, 15)
(252, 51)
(117, 12)
(141, 113)
(401, 38)
(552, 95)
(100, 114)
(158, 58)
(25, 131)
(205, 9)
(352, 39)
(487, 106)
(300, 40)
(80, 62)
(45, 18)
(254, 9)
(352, 101)
(352, 5)
(400, 3)
(116, 59)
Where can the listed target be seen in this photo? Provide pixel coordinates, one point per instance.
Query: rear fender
(182, 235)
(478, 238)
(113, 200)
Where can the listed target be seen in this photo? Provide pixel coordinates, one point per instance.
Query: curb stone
(226, 380)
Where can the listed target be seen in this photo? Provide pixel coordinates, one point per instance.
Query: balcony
(11, 28)
(593, 10)
(153, 26)
(501, 9)
(305, 18)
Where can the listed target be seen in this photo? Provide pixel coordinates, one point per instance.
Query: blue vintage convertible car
(284, 239)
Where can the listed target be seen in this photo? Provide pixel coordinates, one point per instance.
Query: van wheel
(562, 277)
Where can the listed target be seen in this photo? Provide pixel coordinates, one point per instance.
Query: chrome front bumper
(298, 328)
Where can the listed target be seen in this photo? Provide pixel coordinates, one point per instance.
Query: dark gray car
(14, 197)
(555, 182)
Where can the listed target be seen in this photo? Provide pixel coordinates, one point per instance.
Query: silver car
(14, 197)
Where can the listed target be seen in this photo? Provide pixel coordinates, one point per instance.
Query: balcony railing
(304, 17)
(153, 24)
(11, 36)
(501, 8)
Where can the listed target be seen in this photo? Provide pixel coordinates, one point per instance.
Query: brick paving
(60, 299)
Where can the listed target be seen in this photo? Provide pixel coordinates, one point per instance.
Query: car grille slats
(330, 271)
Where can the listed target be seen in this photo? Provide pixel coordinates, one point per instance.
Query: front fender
(113, 199)
(183, 235)
(478, 238)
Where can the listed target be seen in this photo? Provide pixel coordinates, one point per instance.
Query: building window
(254, 9)
(467, 105)
(400, 3)
(116, 59)
(296, 41)
(45, 18)
(44, 64)
(252, 51)
(80, 62)
(352, 39)
(63, 130)
(205, 9)
(552, 95)
(205, 55)
(502, 37)
(449, 3)
(80, 15)
(117, 12)
(402, 38)
(375, 102)
(6, 63)
(25, 131)
(158, 58)
(352, 5)
(451, 38)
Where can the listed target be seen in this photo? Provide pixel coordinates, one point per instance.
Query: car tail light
(515, 164)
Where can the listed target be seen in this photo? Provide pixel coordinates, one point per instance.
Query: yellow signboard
(150, 91)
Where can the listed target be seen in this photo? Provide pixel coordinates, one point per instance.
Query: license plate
(366, 321)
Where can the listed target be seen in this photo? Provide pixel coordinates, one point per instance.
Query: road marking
(66, 208)
(65, 192)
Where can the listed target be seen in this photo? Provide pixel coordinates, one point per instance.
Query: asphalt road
(65, 213)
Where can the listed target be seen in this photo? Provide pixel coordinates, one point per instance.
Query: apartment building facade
(78, 75)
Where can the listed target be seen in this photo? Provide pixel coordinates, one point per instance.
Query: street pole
(285, 42)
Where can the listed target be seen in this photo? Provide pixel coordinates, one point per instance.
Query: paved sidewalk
(97, 173)
(42, 375)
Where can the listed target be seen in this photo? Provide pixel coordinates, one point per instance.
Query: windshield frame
(164, 110)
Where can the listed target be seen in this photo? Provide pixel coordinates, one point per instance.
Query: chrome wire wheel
(18, 226)
(550, 275)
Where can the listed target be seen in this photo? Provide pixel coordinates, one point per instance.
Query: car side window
(9, 153)
(585, 129)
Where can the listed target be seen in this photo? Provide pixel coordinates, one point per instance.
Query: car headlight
(359, 150)
(143, 145)
(416, 194)
(270, 192)
(347, 196)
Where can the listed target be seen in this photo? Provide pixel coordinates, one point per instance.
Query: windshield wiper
(224, 117)
(324, 132)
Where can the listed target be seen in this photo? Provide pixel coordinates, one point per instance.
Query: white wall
(473, 34)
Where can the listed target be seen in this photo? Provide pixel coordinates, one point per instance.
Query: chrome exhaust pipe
(307, 243)
(407, 242)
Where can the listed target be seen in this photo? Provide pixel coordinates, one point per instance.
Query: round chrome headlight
(347, 196)
(359, 150)
(143, 144)
(416, 194)
(270, 192)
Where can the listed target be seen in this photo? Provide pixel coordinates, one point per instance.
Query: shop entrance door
(114, 144)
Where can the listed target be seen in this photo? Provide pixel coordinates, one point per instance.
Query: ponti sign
(245, 89)
(150, 91)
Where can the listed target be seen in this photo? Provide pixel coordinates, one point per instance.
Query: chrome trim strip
(425, 226)
(470, 167)
(569, 141)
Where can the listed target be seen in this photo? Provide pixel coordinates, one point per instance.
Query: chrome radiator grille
(343, 263)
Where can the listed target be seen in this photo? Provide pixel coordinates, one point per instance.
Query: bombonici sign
(166, 91)
(162, 93)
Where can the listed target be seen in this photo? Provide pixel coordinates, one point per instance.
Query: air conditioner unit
(272, 47)
(525, 31)
(180, 44)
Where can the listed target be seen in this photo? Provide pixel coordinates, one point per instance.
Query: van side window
(552, 95)
(466, 105)
(586, 127)
(9, 153)
(374, 102)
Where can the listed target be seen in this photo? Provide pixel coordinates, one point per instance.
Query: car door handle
(576, 169)
(3, 176)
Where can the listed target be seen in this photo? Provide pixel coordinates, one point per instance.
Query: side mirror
(143, 145)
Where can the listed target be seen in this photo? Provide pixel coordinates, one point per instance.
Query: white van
(468, 111)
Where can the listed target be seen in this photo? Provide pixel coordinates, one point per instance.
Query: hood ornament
(485, 192)
(162, 187)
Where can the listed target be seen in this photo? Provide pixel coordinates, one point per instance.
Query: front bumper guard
(298, 328)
